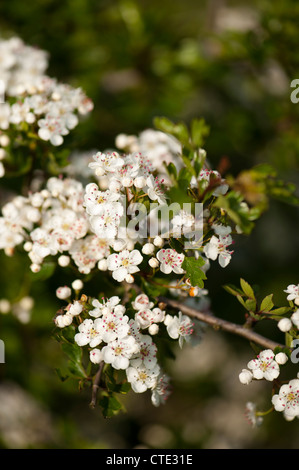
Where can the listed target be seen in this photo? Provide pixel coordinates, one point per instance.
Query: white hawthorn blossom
(88, 334)
(264, 366)
(124, 263)
(170, 261)
(142, 378)
(292, 291)
(179, 327)
(217, 248)
(118, 352)
(287, 400)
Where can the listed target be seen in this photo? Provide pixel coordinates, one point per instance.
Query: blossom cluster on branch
(147, 218)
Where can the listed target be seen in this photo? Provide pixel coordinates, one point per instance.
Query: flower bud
(63, 292)
(130, 279)
(96, 356)
(281, 358)
(35, 268)
(102, 265)
(64, 261)
(153, 329)
(245, 377)
(148, 249)
(153, 262)
(139, 182)
(158, 241)
(284, 324)
(77, 284)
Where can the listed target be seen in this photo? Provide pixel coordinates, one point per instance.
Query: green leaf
(242, 301)
(199, 130)
(110, 405)
(122, 388)
(178, 130)
(280, 310)
(76, 369)
(247, 289)
(73, 351)
(250, 305)
(233, 290)
(193, 270)
(267, 304)
(62, 377)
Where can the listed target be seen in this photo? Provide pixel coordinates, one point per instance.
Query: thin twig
(95, 385)
(220, 324)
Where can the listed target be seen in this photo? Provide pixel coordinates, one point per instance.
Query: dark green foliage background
(138, 60)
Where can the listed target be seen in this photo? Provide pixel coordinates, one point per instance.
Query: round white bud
(153, 329)
(96, 356)
(75, 308)
(139, 182)
(103, 265)
(284, 324)
(27, 246)
(153, 262)
(130, 279)
(158, 241)
(63, 292)
(64, 261)
(35, 268)
(281, 358)
(77, 284)
(245, 377)
(148, 249)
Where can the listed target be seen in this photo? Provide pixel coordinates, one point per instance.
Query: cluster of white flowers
(158, 146)
(122, 342)
(48, 108)
(265, 366)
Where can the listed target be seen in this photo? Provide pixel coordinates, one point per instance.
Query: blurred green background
(230, 62)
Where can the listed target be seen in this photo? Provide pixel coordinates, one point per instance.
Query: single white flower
(142, 302)
(147, 353)
(292, 291)
(104, 163)
(170, 261)
(118, 352)
(179, 327)
(287, 400)
(88, 334)
(264, 366)
(124, 263)
(112, 326)
(161, 390)
(217, 247)
(142, 379)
